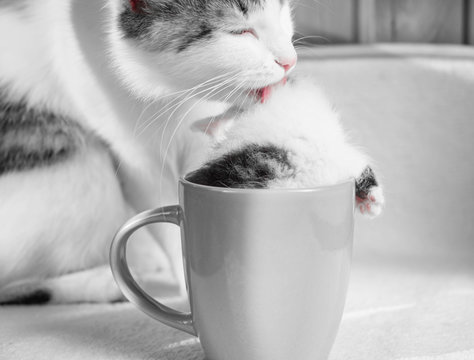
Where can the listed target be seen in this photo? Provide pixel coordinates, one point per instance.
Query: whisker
(176, 129)
(216, 90)
(238, 87)
(137, 122)
(175, 101)
(225, 82)
(311, 37)
(171, 109)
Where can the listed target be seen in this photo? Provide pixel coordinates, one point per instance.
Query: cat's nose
(287, 64)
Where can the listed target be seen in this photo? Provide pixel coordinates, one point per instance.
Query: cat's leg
(92, 285)
(61, 204)
(369, 199)
(147, 261)
(369, 194)
(58, 219)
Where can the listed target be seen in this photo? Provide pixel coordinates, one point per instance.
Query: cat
(293, 140)
(92, 94)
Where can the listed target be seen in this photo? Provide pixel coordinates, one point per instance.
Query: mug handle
(128, 285)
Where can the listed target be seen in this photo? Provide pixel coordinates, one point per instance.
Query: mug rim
(187, 183)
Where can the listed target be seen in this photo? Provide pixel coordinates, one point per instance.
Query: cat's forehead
(162, 24)
(172, 9)
(177, 7)
(210, 10)
(245, 6)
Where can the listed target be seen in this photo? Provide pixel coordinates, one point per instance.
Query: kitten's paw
(371, 204)
(369, 195)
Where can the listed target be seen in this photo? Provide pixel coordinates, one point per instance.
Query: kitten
(293, 140)
(76, 79)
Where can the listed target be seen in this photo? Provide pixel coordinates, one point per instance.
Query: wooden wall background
(368, 21)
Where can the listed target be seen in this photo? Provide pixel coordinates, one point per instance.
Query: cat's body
(60, 216)
(293, 140)
(99, 154)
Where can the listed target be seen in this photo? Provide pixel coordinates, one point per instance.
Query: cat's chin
(247, 97)
(234, 96)
(263, 94)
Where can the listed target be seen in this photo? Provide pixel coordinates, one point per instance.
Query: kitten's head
(225, 47)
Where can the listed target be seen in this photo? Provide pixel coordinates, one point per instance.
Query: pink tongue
(265, 93)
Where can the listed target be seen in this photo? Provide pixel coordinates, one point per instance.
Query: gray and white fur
(96, 100)
(293, 140)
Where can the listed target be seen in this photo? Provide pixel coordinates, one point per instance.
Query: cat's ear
(137, 6)
(215, 127)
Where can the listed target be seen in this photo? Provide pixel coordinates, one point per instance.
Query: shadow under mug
(266, 270)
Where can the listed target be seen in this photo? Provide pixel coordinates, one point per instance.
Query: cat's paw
(372, 203)
(91, 285)
(369, 195)
(25, 293)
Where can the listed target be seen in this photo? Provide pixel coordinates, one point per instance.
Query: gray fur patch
(253, 166)
(32, 137)
(177, 24)
(365, 182)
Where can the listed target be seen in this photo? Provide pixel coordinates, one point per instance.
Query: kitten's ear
(137, 6)
(215, 127)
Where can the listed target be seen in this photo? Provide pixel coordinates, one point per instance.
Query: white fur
(68, 56)
(299, 119)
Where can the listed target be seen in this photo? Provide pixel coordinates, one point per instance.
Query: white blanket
(391, 313)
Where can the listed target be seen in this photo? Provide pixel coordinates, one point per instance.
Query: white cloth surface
(409, 314)
(411, 294)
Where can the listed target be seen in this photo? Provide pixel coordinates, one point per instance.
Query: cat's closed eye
(251, 32)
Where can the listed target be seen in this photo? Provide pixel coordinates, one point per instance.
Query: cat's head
(224, 48)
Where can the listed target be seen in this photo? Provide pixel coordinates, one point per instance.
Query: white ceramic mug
(266, 270)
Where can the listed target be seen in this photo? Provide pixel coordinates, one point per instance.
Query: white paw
(372, 205)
